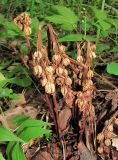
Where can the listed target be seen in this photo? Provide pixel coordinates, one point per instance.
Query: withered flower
(100, 136)
(44, 81)
(107, 142)
(59, 71)
(56, 59)
(50, 87)
(64, 90)
(37, 55)
(100, 150)
(23, 21)
(68, 81)
(80, 58)
(90, 74)
(62, 48)
(49, 70)
(65, 73)
(38, 70)
(110, 128)
(66, 61)
(60, 81)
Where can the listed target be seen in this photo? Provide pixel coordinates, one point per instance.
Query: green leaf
(57, 19)
(76, 37)
(104, 25)
(31, 123)
(113, 21)
(5, 64)
(17, 153)
(101, 47)
(5, 92)
(33, 132)
(9, 149)
(63, 18)
(34, 25)
(112, 68)
(114, 50)
(23, 82)
(67, 13)
(2, 77)
(1, 157)
(15, 70)
(7, 135)
(17, 120)
(23, 48)
(99, 14)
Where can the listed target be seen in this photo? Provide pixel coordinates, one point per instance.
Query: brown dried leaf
(20, 101)
(113, 95)
(44, 156)
(64, 119)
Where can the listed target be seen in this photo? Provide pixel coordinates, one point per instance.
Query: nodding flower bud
(44, 82)
(66, 61)
(80, 58)
(65, 73)
(59, 71)
(37, 55)
(68, 81)
(62, 48)
(56, 58)
(100, 137)
(90, 74)
(94, 55)
(38, 70)
(64, 90)
(107, 142)
(100, 150)
(49, 69)
(49, 88)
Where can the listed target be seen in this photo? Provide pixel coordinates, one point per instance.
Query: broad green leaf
(112, 68)
(101, 47)
(33, 132)
(7, 135)
(5, 64)
(23, 82)
(5, 92)
(31, 123)
(104, 25)
(76, 37)
(64, 17)
(67, 13)
(1, 157)
(17, 153)
(114, 50)
(99, 14)
(16, 69)
(113, 21)
(17, 120)
(34, 25)
(68, 27)
(57, 19)
(9, 150)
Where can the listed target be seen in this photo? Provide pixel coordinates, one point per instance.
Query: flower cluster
(106, 140)
(23, 21)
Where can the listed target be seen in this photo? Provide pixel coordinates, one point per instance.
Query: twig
(105, 80)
